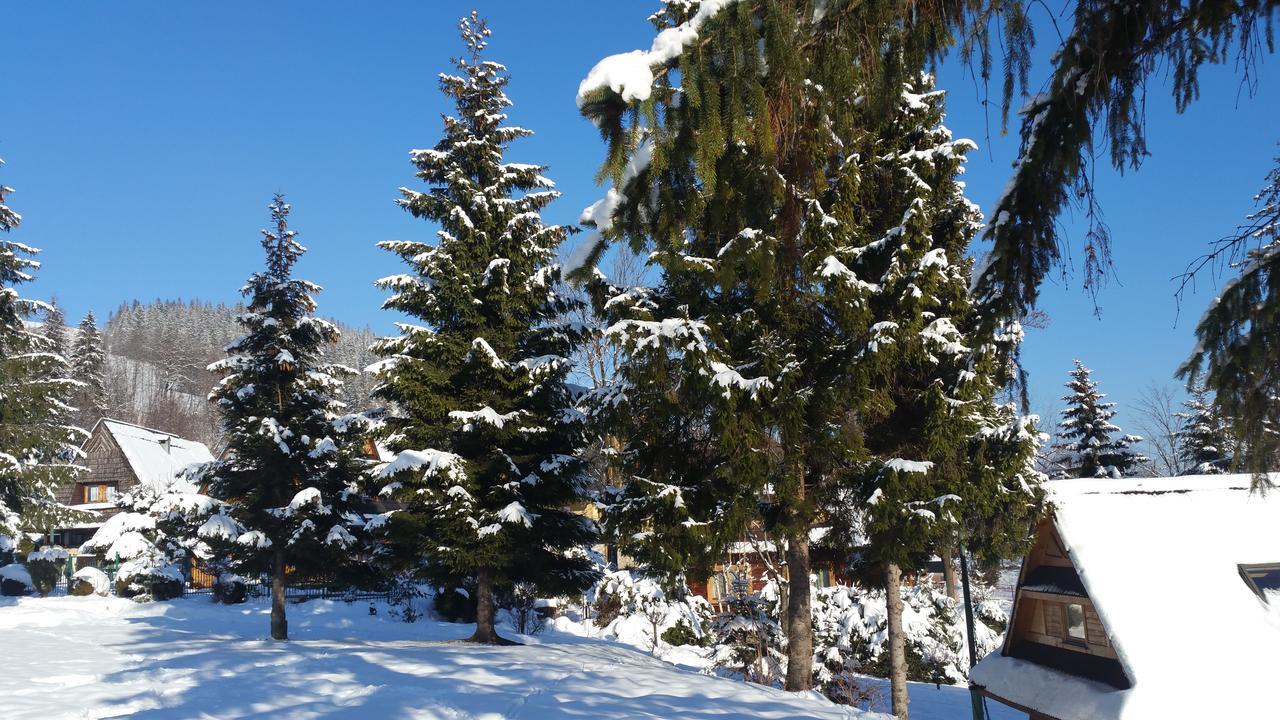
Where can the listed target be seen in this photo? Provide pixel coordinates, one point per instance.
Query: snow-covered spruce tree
(1238, 353)
(778, 210)
(291, 473)
(943, 461)
(740, 379)
(55, 329)
(482, 418)
(1203, 441)
(36, 440)
(88, 365)
(1089, 444)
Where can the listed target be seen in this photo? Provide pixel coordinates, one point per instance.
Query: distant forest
(158, 355)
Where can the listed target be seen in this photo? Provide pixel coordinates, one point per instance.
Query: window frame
(1247, 572)
(1083, 638)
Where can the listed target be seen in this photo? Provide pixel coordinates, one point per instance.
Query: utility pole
(975, 699)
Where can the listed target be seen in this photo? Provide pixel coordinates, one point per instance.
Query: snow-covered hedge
(15, 581)
(637, 611)
(849, 623)
(45, 566)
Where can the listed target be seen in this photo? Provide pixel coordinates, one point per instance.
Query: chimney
(166, 442)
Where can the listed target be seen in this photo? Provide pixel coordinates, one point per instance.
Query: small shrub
(520, 602)
(230, 589)
(45, 566)
(455, 604)
(15, 581)
(607, 608)
(405, 597)
(89, 581)
(682, 633)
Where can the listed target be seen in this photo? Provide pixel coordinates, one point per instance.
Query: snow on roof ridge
(1150, 485)
(152, 465)
(142, 427)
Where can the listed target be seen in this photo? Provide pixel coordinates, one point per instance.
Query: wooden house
(121, 456)
(1145, 598)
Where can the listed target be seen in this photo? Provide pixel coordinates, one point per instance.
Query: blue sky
(145, 139)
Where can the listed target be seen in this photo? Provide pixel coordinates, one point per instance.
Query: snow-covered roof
(156, 457)
(1160, 559)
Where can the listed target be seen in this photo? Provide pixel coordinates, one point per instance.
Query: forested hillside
(158, 355)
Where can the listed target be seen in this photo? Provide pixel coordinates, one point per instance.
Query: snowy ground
(105, 657)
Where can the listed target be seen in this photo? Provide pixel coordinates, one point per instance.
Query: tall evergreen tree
(88, 364)
(293, 466)
(777, 208)
(1238, 353)
(1089, 444)
(36, 441)
(55, 329)
(483, 420)
(1203, 441)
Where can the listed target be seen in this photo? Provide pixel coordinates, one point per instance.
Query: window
(822, 578)
(719, 586)
(1075, 622)
(1263, 580)
(99, 493)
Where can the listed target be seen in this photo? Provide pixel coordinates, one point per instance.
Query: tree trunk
(897, 643)
(486, 610)
(279, 624)
(799, 625)
(949, 574)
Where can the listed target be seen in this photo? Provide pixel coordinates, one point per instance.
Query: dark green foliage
(1089, 444)
(13, 588)
(1238, 354)
(292, 469)
(88, 364)
(480, 411)
(606, 609)
(230, 590)
(455, 604)
(1099, 83)
(682, 633)
(1203, 444)
(45, 569)
(144, 588)
(37, 439)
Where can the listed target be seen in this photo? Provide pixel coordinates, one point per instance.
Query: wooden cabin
(121, 456)
(1145, 598)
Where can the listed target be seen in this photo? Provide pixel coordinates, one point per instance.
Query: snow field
(68, 657)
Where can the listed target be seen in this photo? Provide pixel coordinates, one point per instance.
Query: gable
(1055, 622)
(1166, 565)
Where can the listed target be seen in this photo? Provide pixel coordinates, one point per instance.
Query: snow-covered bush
(748, 637)
(523, 608)
(159, 530)
(45, 566)
(230, 589)
(15, 581)
(637, 611)
(90, 581)
(455, 604)
(408, 598)
(851, 636)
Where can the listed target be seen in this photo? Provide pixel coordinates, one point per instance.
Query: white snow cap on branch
(909, 466)
(433, 460)
(631, 74)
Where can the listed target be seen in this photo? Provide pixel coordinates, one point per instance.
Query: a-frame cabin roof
(1164, 563)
